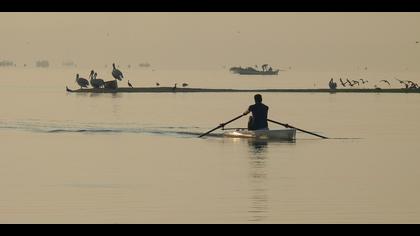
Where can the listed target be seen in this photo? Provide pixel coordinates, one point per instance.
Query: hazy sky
(325, 41)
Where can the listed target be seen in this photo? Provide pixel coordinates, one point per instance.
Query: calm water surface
(135, 158)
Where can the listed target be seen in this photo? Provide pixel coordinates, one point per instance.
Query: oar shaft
(221, 125)
(305, 131)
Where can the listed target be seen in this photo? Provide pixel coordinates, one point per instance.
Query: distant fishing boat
(253, 71)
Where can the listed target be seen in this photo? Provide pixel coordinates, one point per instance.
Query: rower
(258, 120)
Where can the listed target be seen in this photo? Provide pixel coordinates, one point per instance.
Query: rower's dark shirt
(259, 112)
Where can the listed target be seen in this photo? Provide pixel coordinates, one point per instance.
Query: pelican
(385, 81)
(117, 74)
(157, 84)
(129, 84)
(91, 74)
(83, 83)
(96, 83)
(184, 85)
(343, 83)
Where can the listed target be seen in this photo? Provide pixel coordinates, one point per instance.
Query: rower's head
(258, 98)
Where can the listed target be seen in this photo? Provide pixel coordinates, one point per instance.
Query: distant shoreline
(209, 90)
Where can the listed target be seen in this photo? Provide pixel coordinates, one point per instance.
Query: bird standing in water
(117, 74)
(173, 88)
(129, 84)
(157, 84)
(82, 82)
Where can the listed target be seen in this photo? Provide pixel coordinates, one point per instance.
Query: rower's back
(259, 114)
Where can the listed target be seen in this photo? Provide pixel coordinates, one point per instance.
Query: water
(135, 158)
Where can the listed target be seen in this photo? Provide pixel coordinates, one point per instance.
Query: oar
(220, 126)
(289, 126)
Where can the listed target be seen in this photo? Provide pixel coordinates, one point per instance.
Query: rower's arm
(246, 112)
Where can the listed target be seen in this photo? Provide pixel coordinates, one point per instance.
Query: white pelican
(96, 83)
(117, 74)
(83, 83)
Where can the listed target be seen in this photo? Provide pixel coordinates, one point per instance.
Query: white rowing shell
(284, 134)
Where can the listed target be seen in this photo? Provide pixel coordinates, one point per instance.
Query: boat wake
(111, 128)
(63, 127)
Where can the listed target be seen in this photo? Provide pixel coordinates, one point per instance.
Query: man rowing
(258, 120)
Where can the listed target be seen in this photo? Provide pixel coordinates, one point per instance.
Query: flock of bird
(100, 83)
(352, 83)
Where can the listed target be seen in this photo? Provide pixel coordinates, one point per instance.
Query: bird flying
(385, 81)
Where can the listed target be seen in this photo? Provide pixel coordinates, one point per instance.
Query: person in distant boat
(258, 120)
(332, 84)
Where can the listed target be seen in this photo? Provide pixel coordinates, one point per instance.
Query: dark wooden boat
(252, 71)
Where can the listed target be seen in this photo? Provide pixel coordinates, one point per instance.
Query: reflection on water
(258, 176)
(258, 153)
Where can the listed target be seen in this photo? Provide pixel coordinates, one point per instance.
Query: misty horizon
(303, 41)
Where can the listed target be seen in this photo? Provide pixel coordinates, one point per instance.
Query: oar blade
(289, 126)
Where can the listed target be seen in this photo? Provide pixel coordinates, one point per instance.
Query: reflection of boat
(252, 71)
(281, 134)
